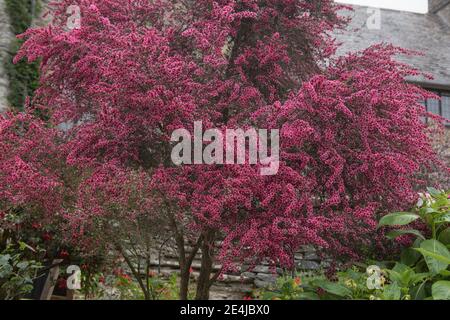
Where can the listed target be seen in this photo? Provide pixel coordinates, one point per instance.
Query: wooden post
(50, 283)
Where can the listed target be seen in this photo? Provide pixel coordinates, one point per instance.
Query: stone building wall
(436, 5)
(442, 146)
(444, 14)
(440, 8)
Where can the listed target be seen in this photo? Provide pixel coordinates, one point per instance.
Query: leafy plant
(349, 284)
(422, 272)
(428, 257)
(16, 272)
(287, 288)
(352, 284)
(129, 289)
(123, 287)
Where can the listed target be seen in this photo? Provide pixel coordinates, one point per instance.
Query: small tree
(352, 139)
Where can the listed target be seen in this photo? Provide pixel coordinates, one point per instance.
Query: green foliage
(20, 14)
(287, 288)
(441, 290)
(421, 274)
(167, 289)
(351, 284)
(400, 283)
(121, 286)
(398, 219)
(16, 272)
(433, 210)
(128, 289)
(23, 77)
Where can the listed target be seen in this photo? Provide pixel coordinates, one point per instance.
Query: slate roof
(427, 33)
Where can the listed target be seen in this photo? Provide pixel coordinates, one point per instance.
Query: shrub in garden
(32, 192)
(429, 257)
(421, 272)
(352, 141)
(17, 272)
(31, 179)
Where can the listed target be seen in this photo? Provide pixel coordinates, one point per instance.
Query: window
(446, 106)
(439, 107)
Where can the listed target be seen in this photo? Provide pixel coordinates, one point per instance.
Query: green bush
(17, 272)
(429, 257)
(422, 272)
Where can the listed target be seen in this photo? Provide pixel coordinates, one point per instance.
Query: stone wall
(442, 146)
(239, 284)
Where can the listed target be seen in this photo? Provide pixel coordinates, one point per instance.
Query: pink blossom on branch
(29, 164)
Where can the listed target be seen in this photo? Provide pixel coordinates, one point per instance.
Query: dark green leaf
(334, 288)
(444, 236)
(397, 233)
(409, 257)
(398, 219)
(441, 290)
(392, 292)
(433, 191)
(436, 255)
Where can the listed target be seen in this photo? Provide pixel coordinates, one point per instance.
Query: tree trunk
(204, 279)
(184, 283)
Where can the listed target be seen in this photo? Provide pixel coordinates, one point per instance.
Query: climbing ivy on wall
(23, 77)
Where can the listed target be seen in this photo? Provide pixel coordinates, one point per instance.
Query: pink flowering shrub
(29, 163)
(351, 137)
(32, 185)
